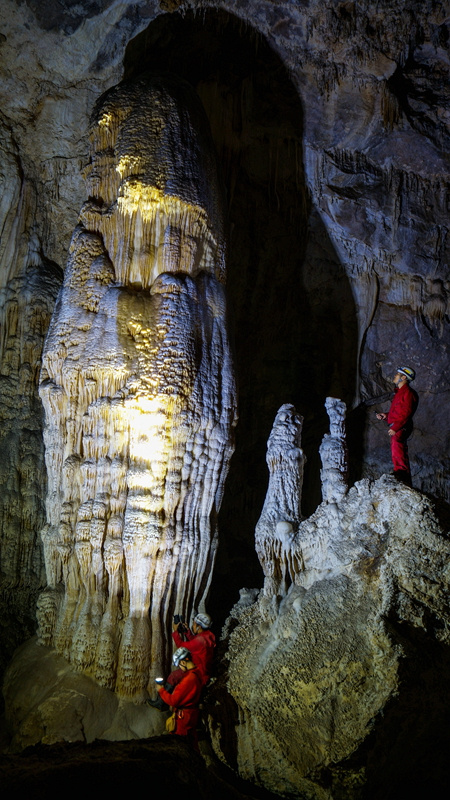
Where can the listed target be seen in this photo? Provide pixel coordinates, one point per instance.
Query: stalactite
(138, 389)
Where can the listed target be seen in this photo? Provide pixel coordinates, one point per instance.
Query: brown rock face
(331, 125)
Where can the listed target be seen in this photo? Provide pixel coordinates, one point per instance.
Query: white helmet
(204, 620)
(407, 372)
(180, 655)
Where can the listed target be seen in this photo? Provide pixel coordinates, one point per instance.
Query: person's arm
(177, 639)
(171, 698)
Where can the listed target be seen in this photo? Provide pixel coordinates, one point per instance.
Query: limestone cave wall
(331, 124)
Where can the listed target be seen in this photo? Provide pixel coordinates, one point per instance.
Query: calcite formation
(278, 541)
(331, 123)
(334, 453)
(312, 665)
(281, 513)
(371, 124)
(138, 389)
(28, 288)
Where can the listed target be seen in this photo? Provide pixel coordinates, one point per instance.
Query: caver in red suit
(185, 699)
(399, 419)
(201, 645)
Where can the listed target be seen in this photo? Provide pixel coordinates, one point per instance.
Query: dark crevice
(291, 310)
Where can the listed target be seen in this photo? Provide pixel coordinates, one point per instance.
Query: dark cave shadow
(291, 309)
(162, 767)
(441, 509)
(406, 753)
(411, 743)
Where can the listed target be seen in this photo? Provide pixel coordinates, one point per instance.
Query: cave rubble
(330, 120)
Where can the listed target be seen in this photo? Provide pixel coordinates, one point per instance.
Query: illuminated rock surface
(336, 185)
(47, 701)
(330, 121)
(281, 513)
(138, 390)
(334, 453)
(309, 671)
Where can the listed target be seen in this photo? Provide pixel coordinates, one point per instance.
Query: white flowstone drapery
(138, 390)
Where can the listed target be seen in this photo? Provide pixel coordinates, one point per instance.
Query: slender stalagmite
(138, 389)
(278, 524)
(334, 453)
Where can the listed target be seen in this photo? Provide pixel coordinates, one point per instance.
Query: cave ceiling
(330, 120)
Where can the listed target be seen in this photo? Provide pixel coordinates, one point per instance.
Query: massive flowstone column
(138, 390)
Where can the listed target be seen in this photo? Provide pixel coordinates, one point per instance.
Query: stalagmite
(308, 677)
(138, 390)
(287, 552)
(334, 454)
(281, 514)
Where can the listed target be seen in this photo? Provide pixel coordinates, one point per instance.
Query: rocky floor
(408, 756)
(163, 767)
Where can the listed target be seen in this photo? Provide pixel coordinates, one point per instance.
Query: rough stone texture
(138, 390)
(334, 453)
(281, 513)
(337, 204)
(28, 287)
(370, 278)
(47, 701)
(310, 671)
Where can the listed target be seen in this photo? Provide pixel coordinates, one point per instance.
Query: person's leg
(400, 458)
(187, 719)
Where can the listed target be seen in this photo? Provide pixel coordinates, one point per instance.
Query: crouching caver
(185, 697)
(169, 685)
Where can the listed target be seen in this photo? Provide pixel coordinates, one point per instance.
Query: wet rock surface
(325, 668)
(330, 120)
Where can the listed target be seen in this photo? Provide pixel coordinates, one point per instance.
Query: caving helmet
(179, 655)
(204, 620)
(407, 372)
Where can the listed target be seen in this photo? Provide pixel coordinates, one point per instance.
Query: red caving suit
(185, 699)
(201, 646)
(399, 419)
